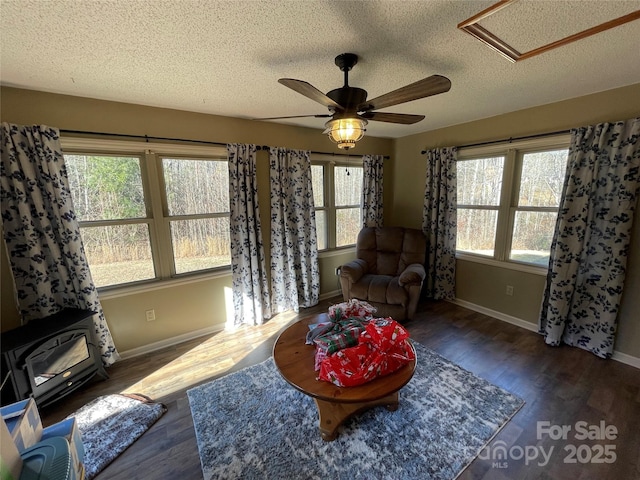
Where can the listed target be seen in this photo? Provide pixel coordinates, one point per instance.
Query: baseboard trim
(625, 358)
(169, 342)
(618, 356)
(518, 322)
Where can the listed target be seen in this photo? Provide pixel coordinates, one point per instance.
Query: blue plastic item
(67, 429)
(49, 459)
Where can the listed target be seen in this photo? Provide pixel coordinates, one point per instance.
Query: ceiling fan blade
(426, 87)
(310, 91)
(403, 118)
(295, 116)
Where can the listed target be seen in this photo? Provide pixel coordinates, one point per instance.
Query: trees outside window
(318, 185)
(348, 194)
(198, 212)
(479, 189)
(535, 212)
(110, 205)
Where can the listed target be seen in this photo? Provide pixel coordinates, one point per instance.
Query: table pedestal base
(333, 414)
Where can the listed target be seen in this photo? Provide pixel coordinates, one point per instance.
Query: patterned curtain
(372, 190)
(439, 223)
(41, 231)
(295, 278)
(591, 239)
(249, 275)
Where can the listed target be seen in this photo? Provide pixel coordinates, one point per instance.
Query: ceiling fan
(349, 108)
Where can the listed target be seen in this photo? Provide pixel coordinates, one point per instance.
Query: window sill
(334, 252)
(509, 265)
(106, 293)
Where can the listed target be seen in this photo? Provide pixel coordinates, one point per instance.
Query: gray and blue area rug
(253, 425)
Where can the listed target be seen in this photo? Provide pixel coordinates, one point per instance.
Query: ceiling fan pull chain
(348, 174)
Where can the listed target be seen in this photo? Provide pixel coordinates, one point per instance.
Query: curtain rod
(206, 142)
(149, 137)
(510, 139)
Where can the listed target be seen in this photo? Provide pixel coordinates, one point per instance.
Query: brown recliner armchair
(388, 271)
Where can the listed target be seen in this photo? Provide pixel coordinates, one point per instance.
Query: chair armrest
(413, 275)
(354, 270)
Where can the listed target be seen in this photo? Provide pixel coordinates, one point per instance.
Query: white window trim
(561, 141)
(124, 290)
(508, 150)
(336, 252)
(508, 264)
(138, 147)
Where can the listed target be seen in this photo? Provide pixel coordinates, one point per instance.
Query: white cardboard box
(23, 422)
(10, 461)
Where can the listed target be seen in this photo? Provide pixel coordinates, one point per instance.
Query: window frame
(511, 177)
(329, 162)
(92, 150)
(150, 154)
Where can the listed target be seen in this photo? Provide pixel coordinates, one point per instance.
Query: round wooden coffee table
(295, 361)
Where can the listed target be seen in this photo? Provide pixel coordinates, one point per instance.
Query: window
(317, 183)
(479, 187)
(110, 206)
(347, 182)
(337, 192)
(508, 199)
(154, 212)
(536, 209)
(197, 212)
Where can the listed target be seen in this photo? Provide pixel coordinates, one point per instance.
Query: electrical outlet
(151, 315)
(509, 290)
(338, 270)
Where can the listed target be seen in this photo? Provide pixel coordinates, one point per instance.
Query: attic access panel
(524, 15)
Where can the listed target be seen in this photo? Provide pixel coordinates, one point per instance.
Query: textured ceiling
(225, 58)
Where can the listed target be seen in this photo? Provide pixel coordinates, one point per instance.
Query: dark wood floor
(561, 386)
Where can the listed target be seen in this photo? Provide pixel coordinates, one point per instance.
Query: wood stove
(49, 358)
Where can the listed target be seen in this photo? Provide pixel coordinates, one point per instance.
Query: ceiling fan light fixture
(350, 108)
(345, 131)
